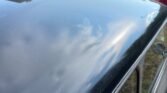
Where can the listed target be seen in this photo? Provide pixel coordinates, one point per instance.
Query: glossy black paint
(20, 1)
(133, 52)
(77, 46)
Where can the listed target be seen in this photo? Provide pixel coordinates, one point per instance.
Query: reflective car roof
(77, 46)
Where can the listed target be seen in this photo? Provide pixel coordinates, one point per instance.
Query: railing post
(139, 71)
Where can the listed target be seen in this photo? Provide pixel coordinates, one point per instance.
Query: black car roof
(77, 46)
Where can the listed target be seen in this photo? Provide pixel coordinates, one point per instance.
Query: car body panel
(76, 46)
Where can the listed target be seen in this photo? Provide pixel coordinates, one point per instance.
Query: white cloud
(34, 62)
